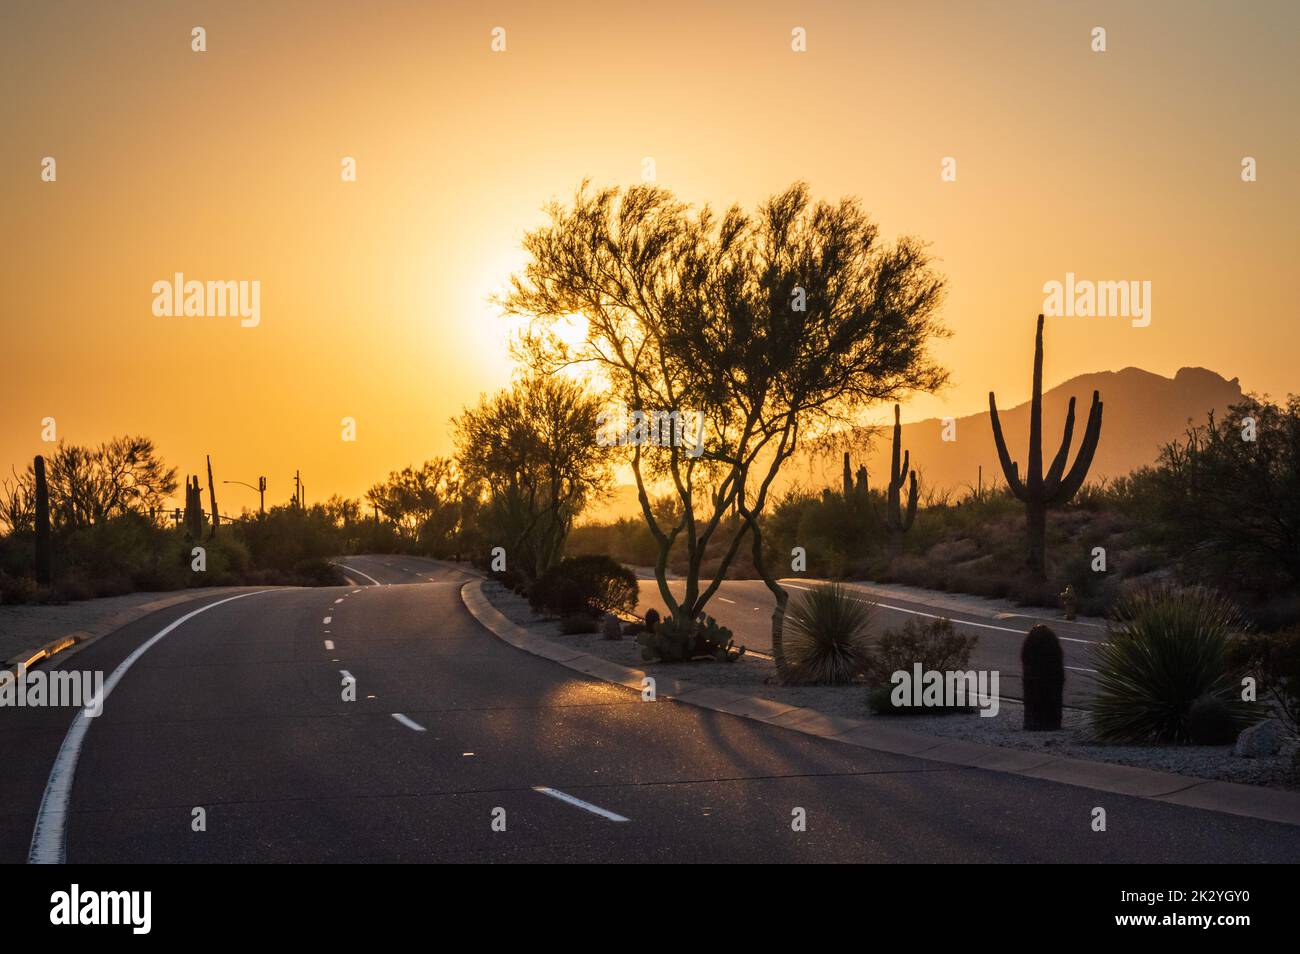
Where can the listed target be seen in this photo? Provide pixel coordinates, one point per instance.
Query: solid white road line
(329, 644)
(409, 723)
(366, 575)
(585, 806)
(49, 838)
(962, 622)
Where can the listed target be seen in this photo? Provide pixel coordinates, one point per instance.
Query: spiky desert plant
(828, 639)
(1042, 668)
(212, 498)
(1166, 648)
(193, 519)
(900, 521)
(44, 557)
(1038, 491)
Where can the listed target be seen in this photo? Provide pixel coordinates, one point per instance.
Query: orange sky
(1121, 165)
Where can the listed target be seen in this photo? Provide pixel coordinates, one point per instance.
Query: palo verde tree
(1038, 491)
(764, 326)
(534, 449)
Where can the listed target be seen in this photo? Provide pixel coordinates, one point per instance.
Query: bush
(578, 623)
(678, 640)
(828, 637)
(933, 644)
(1210, 722)
(585, 584)
(1166, 649)
(1274, 660)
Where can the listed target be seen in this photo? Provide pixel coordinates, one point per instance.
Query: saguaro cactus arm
(1009, 467)
(1079, 472)
(1054, 472)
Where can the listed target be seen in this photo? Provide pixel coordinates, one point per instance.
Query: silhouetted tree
(773, 325)
(535, 451)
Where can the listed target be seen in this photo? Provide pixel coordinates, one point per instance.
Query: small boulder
(610, 627)
(1260, 740)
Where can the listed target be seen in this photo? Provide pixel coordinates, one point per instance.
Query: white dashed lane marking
(408, 722)
(579, 803)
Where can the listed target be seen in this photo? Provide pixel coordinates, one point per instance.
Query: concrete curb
(1250, 801)
(73, 642)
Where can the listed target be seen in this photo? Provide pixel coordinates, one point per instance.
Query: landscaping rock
(1260, 740)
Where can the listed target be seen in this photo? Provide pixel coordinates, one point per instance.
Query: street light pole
(261, 492)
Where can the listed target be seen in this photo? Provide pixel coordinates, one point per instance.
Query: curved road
(238, 711)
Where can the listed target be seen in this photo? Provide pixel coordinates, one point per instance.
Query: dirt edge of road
(1230, 797)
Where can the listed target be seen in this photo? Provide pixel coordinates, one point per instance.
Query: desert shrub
(1211, 722)
(935, 644)
(578, 623)
(591, 584)
(19, 589)
(1166, 648)
(1274, 660)
(677, 639)
(827, 641)
(1232, 506)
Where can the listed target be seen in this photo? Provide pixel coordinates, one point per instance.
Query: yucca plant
(827, 641)
(1166, 648)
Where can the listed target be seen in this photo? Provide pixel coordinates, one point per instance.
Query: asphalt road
(238, 710)
(745, 607)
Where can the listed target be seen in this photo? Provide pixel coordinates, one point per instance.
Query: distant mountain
(1143, 412)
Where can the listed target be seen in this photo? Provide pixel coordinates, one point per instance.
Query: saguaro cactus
(212, 498)
(1038, 491)
(898, 519)
(193, 508)
(44, 560)
(855, 483)
(1042, 665)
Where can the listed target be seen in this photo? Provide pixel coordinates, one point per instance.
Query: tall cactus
(1042, 668)
(44, 560)
(1038, 491)
(212, 498)
(193, 508)
(899, 520)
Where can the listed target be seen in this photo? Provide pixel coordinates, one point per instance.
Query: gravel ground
(756, 677)
(24, 628)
